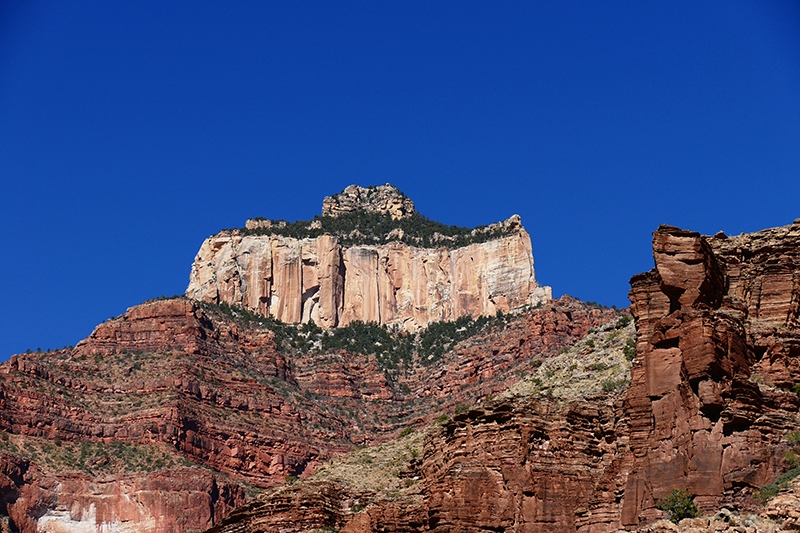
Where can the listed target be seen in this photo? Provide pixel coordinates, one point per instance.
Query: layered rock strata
(713, 396)
(713, 393)
(142, 503)
(175, 378)
(527, 465)
(299, 280)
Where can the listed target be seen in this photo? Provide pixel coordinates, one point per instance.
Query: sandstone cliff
(713, 396)
(714, 391)
(300, 280)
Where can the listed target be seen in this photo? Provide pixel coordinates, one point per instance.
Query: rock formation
(108, 436)
(718, 343)
(177, 500)
(713, 396)
(384, 199)
(94, 434)
(300, 280)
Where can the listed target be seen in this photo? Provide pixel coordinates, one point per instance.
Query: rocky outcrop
(298, 280)
(534, 467)
(530, 465)
(712, 394)
(383, 199)
(144, 503)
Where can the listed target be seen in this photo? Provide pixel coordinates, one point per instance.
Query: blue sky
(129, 132)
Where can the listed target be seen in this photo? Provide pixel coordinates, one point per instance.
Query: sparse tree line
(361, 227)
(392, 347)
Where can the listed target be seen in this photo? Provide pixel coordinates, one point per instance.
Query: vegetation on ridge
(386, 469)
(599, 362)
(792, 458)
(93, 458)
(392, 347)
(362, 227)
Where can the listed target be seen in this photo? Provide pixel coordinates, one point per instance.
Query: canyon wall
(91, 437)
(154, 502)
(298, 280)
(713, 396)
(714, 390)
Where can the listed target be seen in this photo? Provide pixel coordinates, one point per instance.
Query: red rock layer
(532, 467)
(145, 503)
(217, 391)
(710, 402)
(716, 317)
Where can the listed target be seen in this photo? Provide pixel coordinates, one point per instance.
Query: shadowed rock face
(716, 316)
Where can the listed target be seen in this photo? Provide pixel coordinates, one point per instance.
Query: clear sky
(131, 131)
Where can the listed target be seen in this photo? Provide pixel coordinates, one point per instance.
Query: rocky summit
(293, 388)
(383, 199)
(358, 263)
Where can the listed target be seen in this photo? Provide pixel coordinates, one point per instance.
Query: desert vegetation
(361, 227)
(392, 347)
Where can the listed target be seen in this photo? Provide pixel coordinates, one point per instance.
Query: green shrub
(406, 432)
(461, 408)
(791, 458)
(767, 492)
(629, 351)
(788, 476)
(374, 228)
(611, 384)
(678, 505)
(393, 349)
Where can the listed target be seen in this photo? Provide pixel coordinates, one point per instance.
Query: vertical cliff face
(289, 279)
(711, 396)
(298, 280)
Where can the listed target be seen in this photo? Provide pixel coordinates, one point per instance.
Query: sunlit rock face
(384, 199)
(299, 280)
